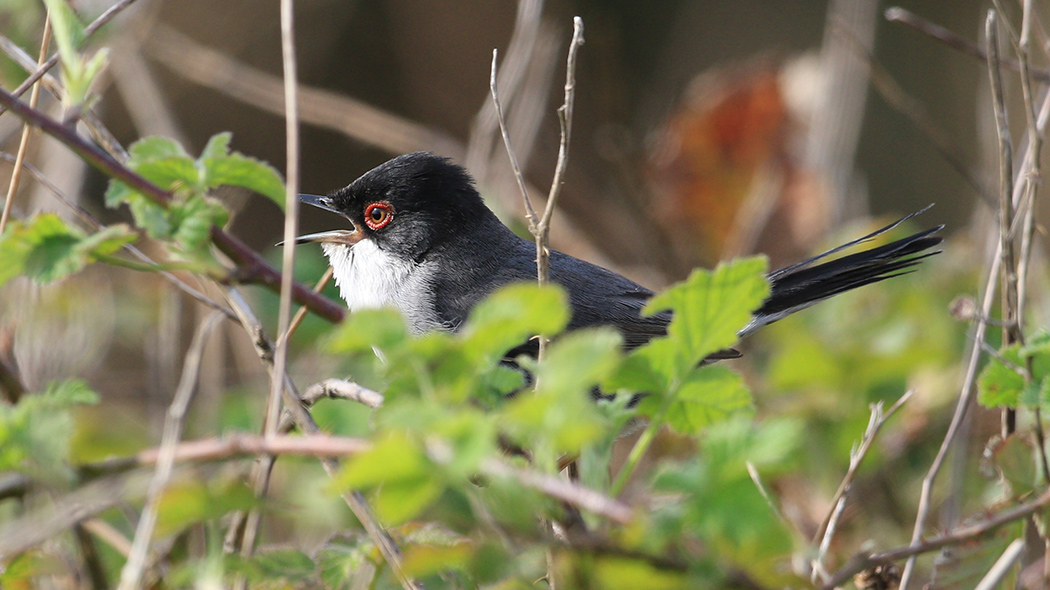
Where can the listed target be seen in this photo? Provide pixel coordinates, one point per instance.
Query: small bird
(423, 242)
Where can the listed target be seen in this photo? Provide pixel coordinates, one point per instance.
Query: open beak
(348, 237)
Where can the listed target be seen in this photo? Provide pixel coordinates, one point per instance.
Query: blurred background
(702, 131)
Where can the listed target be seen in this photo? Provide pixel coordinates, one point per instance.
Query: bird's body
(424, 243)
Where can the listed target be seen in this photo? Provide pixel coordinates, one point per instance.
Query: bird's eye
(378, 215)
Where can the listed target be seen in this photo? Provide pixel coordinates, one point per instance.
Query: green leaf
(190, 501)
(579, 360)
(70, 392)
(709, 308)
(383, 329)
(615, 573)
(424, 560)
(47, 249)
(194, 220)
(999, 384)
(35, 433)
(707, 395)
(155, 147)
(239, 170)
(218, 146)
(67, 28)
(408, 480)
(512, 315)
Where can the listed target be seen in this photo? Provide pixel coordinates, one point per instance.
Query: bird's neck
(369, 277)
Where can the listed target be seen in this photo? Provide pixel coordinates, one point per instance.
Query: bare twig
(291, 229)
(540, 226)
(340, 389)
(355, 119)
(23, 144)
(305, 423)
(900, 15)
(530, 212)
(967, 391)
(838, 502)
(1002, 566)
(301, 312)
(131, 575)
(958, 536)
(1008, 270)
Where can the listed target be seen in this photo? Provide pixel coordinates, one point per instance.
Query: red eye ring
(378, 215)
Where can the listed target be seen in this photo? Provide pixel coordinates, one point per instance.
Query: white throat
(370, 278)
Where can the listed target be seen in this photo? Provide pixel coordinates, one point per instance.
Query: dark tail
(800, 285)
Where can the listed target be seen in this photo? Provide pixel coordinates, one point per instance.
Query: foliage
(186, 221)
(35, 433)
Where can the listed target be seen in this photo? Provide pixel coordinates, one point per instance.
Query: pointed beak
(318, 201)
(348, 237)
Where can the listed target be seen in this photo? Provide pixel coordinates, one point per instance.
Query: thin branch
(305, 423)
(340, 389)
(322, 445)
(542, 232)
(939, 33)
(1002, 566)
(1008, 270)
(44, 68)
(958, 536)
(251, 267)
(300, 314)
(826, 531)
(97, 225)
(131, 574)
(355, 119)
(23, 145)
(530, 212)
(967, 390)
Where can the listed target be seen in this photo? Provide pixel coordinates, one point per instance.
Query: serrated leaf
(512, 315)
(47, 249)
(1000, 385)
(579, 360)
(706, 396)
(155, 147)
(194, 219)
(407, 479)
(709, 308)
(218, 146)
(239, 170)
(70, 392)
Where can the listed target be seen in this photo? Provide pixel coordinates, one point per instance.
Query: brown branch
(131, 574)
(960, 535)
(251, 268)
(949, 38)
(23, 145)
(353, 118)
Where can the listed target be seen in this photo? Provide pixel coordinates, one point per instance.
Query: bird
(421, 240)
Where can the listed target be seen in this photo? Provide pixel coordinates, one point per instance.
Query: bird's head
(405, 206)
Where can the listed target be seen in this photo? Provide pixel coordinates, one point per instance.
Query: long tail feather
(801, 285)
